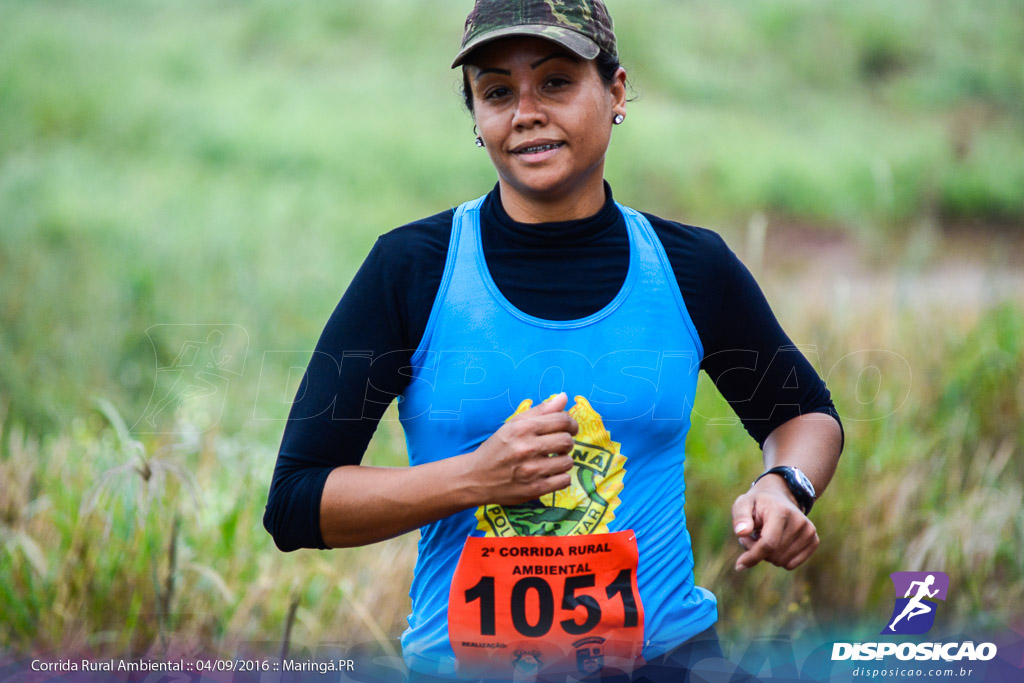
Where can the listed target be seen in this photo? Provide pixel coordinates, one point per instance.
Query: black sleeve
(354, 374)
(747, 354)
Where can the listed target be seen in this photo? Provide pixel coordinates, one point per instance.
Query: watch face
(803, 481)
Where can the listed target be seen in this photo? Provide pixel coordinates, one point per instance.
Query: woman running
(543, 342)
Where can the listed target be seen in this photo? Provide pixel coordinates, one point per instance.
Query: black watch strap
(797, 482)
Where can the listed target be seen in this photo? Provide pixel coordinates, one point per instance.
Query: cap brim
(567, 38)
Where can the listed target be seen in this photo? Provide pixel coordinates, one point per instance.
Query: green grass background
(227, 163)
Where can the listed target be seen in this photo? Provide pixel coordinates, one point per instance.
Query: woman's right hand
(362, 505)
(528, 457)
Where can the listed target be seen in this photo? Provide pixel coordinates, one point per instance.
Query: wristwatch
(799, 485)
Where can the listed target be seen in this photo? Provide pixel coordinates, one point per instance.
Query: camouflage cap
(582, 26)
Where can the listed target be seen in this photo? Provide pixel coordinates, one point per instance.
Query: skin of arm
(524, 459)
(784, 535)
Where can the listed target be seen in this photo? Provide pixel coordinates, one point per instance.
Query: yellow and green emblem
(586, 506)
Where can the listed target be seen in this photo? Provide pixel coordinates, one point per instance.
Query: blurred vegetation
(932, 478)
(233, 162)
(229, 164)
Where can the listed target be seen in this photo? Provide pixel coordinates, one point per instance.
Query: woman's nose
(529, 111)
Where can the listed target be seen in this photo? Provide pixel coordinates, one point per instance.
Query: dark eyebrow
(554, 55)
(505, 72)
(484, 72)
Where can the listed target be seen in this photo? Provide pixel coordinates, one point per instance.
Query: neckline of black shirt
(583, 262)
(606, 221)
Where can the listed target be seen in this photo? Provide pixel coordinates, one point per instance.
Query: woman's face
(545, 117)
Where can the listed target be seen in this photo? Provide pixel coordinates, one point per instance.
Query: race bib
(546, 603)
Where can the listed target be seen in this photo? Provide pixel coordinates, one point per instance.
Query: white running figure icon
(915, 607)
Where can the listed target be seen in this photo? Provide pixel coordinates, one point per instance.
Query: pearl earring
(619, 118)
(479, 141)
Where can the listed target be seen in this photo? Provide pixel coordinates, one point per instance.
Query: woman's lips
(537, 151)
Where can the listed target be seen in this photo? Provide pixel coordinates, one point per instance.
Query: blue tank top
(635, 362)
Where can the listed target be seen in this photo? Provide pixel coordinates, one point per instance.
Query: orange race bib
(546, 603)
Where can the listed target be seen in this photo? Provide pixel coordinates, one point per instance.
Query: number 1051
(621, 586)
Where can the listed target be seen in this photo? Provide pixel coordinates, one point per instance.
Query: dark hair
(607, 66)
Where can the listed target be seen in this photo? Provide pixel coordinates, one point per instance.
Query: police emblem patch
(586, 506)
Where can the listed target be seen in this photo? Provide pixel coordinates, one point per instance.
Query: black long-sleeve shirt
(357, 368)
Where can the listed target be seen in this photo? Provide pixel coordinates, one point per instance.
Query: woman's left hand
(771, 527)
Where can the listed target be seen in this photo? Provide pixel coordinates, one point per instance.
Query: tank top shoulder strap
(462, 254)
(461, 246)
(656, 268)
